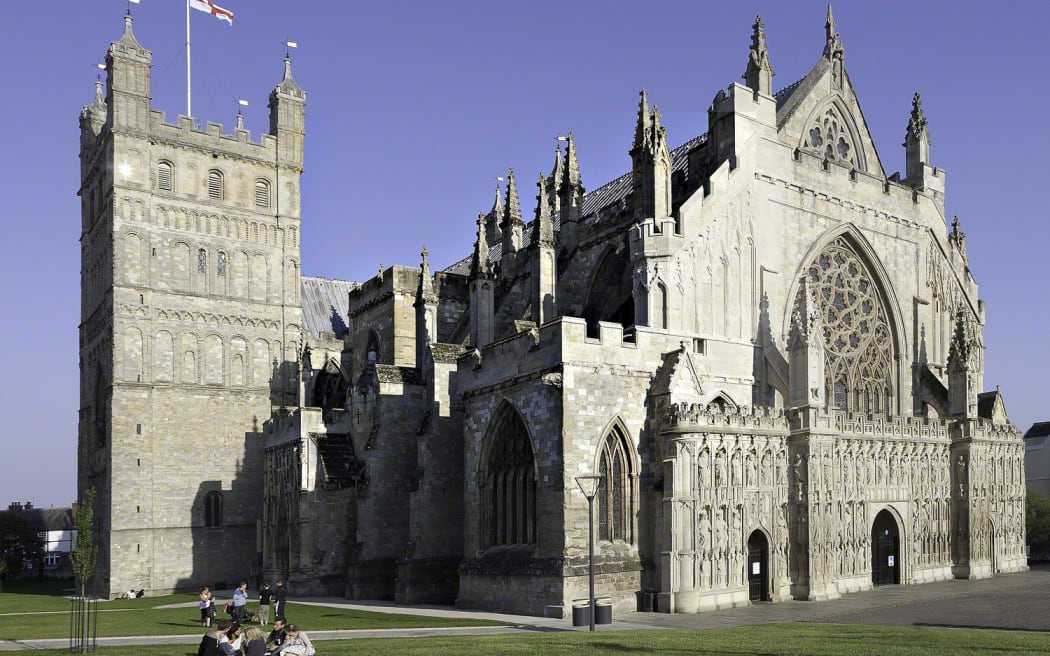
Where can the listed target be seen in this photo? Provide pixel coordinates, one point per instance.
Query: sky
(414, 109)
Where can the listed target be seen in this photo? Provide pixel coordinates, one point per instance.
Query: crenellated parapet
(718, 417)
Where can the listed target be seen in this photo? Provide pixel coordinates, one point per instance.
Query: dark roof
(986, 403)
(326, 305)
(1038, 429)
(337, 460)
(784, 94)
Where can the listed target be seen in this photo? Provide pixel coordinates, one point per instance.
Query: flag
(215, 10)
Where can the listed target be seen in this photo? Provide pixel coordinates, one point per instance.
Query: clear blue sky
(415, 107)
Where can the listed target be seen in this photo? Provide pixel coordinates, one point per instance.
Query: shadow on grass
(980, 626)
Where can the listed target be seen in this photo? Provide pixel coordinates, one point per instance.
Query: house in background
(1037, 457)
(57, 528)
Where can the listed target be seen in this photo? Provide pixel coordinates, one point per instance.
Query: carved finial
(425, 292)
(759, 73)
(380, 270)
(917, 125)
(957, 238)
(240, 120)
(832, 44)
(571, 179)
(960, 349)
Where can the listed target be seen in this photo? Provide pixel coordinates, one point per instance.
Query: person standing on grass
(253, 642)
(207, 606)
(240, 601)
(277, 635)
(264, 604)
(280, 595)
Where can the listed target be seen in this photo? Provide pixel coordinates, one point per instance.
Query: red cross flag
(215, 10)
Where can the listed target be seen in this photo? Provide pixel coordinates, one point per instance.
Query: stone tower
(190, 326)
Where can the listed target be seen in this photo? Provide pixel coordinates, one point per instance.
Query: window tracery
(615, 491)
(829, 137)
(510, 484)
(858, 345)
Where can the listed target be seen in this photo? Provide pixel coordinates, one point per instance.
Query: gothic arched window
(616, 489)
(509, 483)
(213, 509)
(858, 343)
(262, 193)
(202, 261)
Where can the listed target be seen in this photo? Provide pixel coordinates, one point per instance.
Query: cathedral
(767, 348)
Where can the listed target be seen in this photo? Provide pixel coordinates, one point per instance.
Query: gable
(822, 115)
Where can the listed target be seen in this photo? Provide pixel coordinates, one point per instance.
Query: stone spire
(93, 116)
(806, 351)
(964, 375)
(513, 227)
(426, 311)
(832, 44)
(554, 180)
(570, 197)
(425, 291)
(479, 262)
(543, 226)
(916, 140)
(643, 127)
(759, 73)
(494, 218)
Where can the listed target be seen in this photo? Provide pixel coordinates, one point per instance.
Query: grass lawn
(764, 640)
(48, 617)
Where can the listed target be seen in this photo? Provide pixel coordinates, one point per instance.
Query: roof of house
(1038, 429)
(326, 305)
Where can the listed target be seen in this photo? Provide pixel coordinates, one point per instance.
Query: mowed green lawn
(28, 616)
(764, 640)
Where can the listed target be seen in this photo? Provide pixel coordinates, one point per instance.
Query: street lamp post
(589, 486)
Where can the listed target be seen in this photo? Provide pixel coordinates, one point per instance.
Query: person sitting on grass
(207, 606)
(296, 643)
(230, 642)
(277, 635)
(210, 641)
(254, 642)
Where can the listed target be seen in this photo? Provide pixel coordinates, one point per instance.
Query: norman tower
(190, 325)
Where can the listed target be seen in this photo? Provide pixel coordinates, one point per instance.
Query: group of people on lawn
(231, 639)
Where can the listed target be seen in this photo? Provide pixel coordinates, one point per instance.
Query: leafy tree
(84, 554)
(20, 541)
(1037, 517)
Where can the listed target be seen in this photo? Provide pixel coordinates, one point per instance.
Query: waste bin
(581, 612)
(603, 610)
(645, 600)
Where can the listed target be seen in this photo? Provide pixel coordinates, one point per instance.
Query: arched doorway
(758, 567)
(885, 550)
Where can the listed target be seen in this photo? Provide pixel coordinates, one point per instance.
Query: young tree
(84, 554)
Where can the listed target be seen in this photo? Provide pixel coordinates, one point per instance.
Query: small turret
(93, 116)
(128, 82)
(651, 165)
(916, 140)
(479, 261)
(554, 180)
(570, 197)
(513, 227)
(287, 118)
(759, 73)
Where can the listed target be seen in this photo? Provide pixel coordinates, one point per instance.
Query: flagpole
(189, 106)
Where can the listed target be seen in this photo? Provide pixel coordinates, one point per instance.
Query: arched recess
(886, 554)
(831, 131)
(842, 260)
(507, 482)
(610, 296)
(757, 573)
(329, 387)
(374, 348)
(617, 497)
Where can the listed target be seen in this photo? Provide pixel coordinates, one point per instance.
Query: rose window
(858, 346)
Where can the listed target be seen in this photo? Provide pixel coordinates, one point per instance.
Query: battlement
(212, 139)
(719, 417)
(984, 429)
(870, 425)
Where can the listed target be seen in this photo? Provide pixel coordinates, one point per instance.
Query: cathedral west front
(768, 348)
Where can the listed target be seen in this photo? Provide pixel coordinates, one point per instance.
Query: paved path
(1009, 601)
